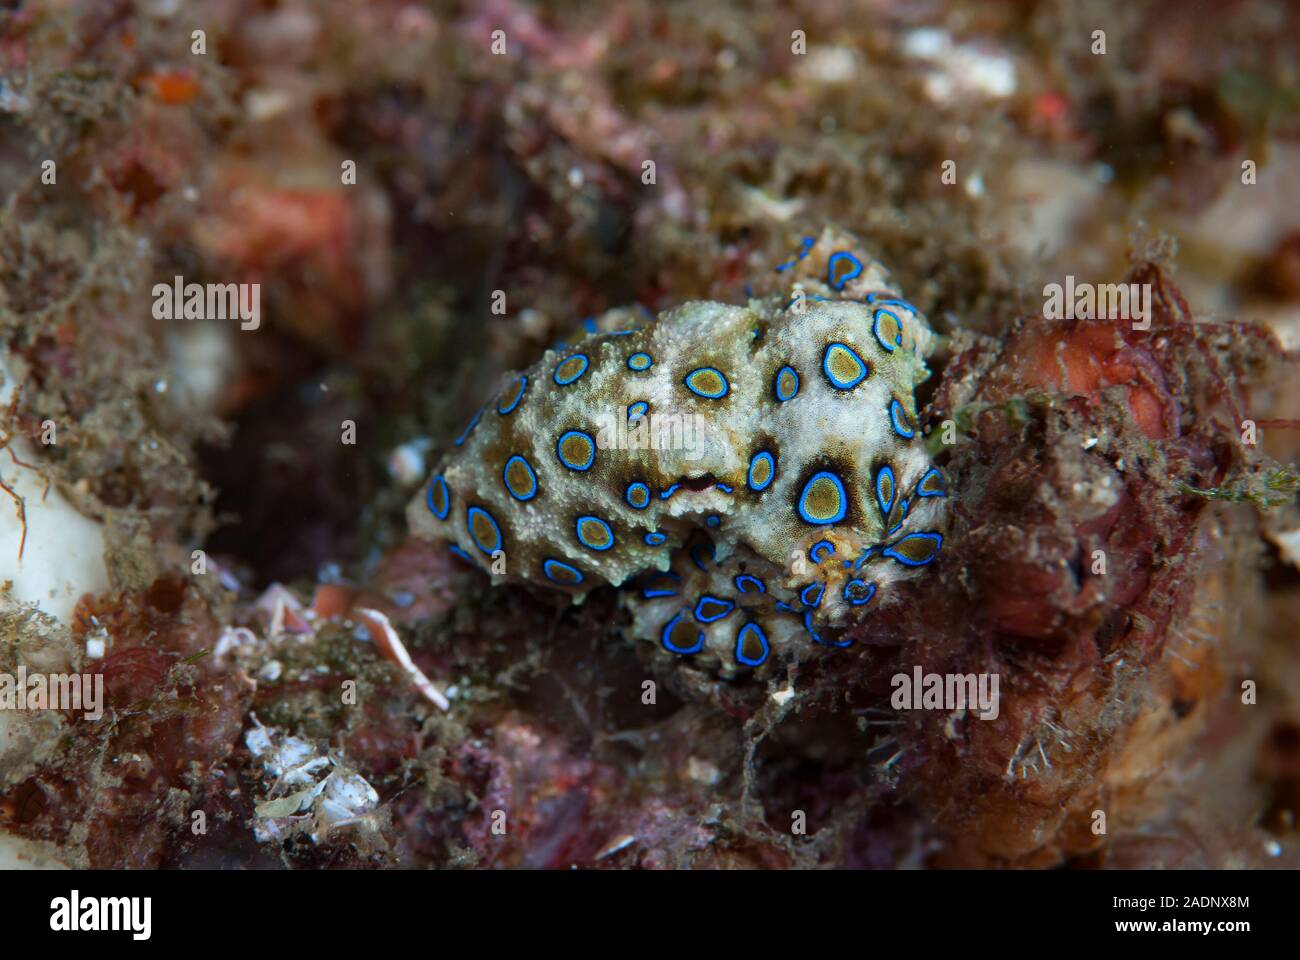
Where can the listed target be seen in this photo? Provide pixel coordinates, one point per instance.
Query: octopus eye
(752, 647)
(676, 637)
(915, 549)
(570, 369)
(823, 500)
(843, 367)
(841, 268)
(707, 382)
(483, 530)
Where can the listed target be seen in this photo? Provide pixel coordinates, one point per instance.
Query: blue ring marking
(651, 593)
(851, 272)
(551, 566)
(589, 324)
(724, 488)
(440, 484)
(776, 384)
(817, 637)
(639, 362)
(782, 605)
(637, 410)
(936, 538)
(771, 475)
(742, 636)
(824, 547)
(866, 555)
(576, 356)
(727, 605)
(655, 538)
(863, 369)
(713, 520)
(744, 580)
(473, 512)
(886, 473)
(805, 246)
(637, 495)
(901, 520)
(725, 389)
(665, 638)
(898, 417)
(609, 532)
(665, 494)
(803, 594)
(943, 484)
(464, 434)
(457, 551)
(532, 476)
(559, 450)
(892, 302)
(807, 488)
(695, 558)
(849, 592)
(875, 328)
(523, 388)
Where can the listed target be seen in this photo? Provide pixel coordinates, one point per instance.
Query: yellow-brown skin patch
(822, 500)
(844, 367)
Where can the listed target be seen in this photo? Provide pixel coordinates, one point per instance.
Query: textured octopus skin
(784, 485)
